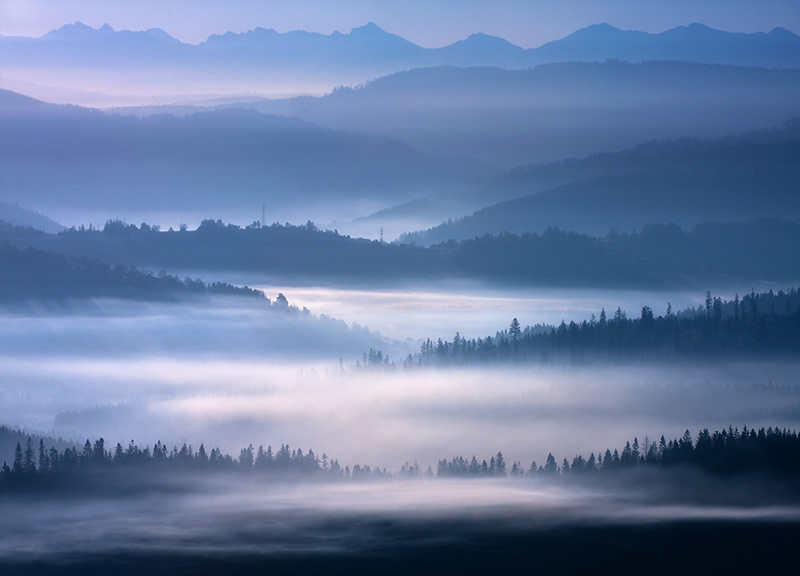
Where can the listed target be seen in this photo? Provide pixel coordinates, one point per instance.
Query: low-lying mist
(475, 310)
(243, 518)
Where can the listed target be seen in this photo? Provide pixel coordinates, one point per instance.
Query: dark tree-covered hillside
(756, 325)
(32, 274)
(657, 256)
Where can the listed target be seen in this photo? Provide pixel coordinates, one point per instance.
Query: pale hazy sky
(430, 23)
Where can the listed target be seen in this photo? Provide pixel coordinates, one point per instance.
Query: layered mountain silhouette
(686, 181)
(393, 140)
(554, 111)
(54, 155)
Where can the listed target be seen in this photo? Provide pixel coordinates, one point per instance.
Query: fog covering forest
(468, 308)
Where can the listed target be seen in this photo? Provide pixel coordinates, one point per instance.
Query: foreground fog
(233, 375)
(244, 517)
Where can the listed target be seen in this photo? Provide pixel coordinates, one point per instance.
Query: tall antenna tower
(381, 234)
(263, 215)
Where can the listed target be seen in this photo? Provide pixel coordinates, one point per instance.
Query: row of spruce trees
(771, 451)
(755, 325)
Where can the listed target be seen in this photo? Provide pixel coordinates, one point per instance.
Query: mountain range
(266, 62)
(371, 49)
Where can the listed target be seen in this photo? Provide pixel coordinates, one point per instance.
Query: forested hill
(34, 275)
(662, 255)
(756, 325)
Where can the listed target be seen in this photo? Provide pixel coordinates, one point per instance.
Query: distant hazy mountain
(554, 111)
(103, 67)
(693, 43)
(368, 51)
(682, 182)
(715, 162)
(54, 157)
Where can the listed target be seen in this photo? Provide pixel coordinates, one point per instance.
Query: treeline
(36, 274)
(756, 324)
(42, 466)
(658, 255)
(771, 452)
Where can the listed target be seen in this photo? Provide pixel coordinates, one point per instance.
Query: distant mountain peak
(80, 31)
(600, 27)
(160, 34)
(68, 30)
(368, 28)
(699, 26)
(782, 33)
(482, 38)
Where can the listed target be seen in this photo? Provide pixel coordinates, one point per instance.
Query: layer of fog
(440, 309)
(385, 419)
(253, 519)
(51, 87)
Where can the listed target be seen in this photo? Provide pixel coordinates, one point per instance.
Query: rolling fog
(439, 310)
(229, 374)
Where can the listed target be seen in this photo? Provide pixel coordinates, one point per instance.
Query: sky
(429, 23)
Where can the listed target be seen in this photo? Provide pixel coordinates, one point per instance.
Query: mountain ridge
(109, 61)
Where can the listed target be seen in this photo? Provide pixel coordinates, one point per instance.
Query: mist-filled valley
(304, 301)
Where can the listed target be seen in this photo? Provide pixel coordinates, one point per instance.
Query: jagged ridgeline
(769, 452)
(757, 325)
